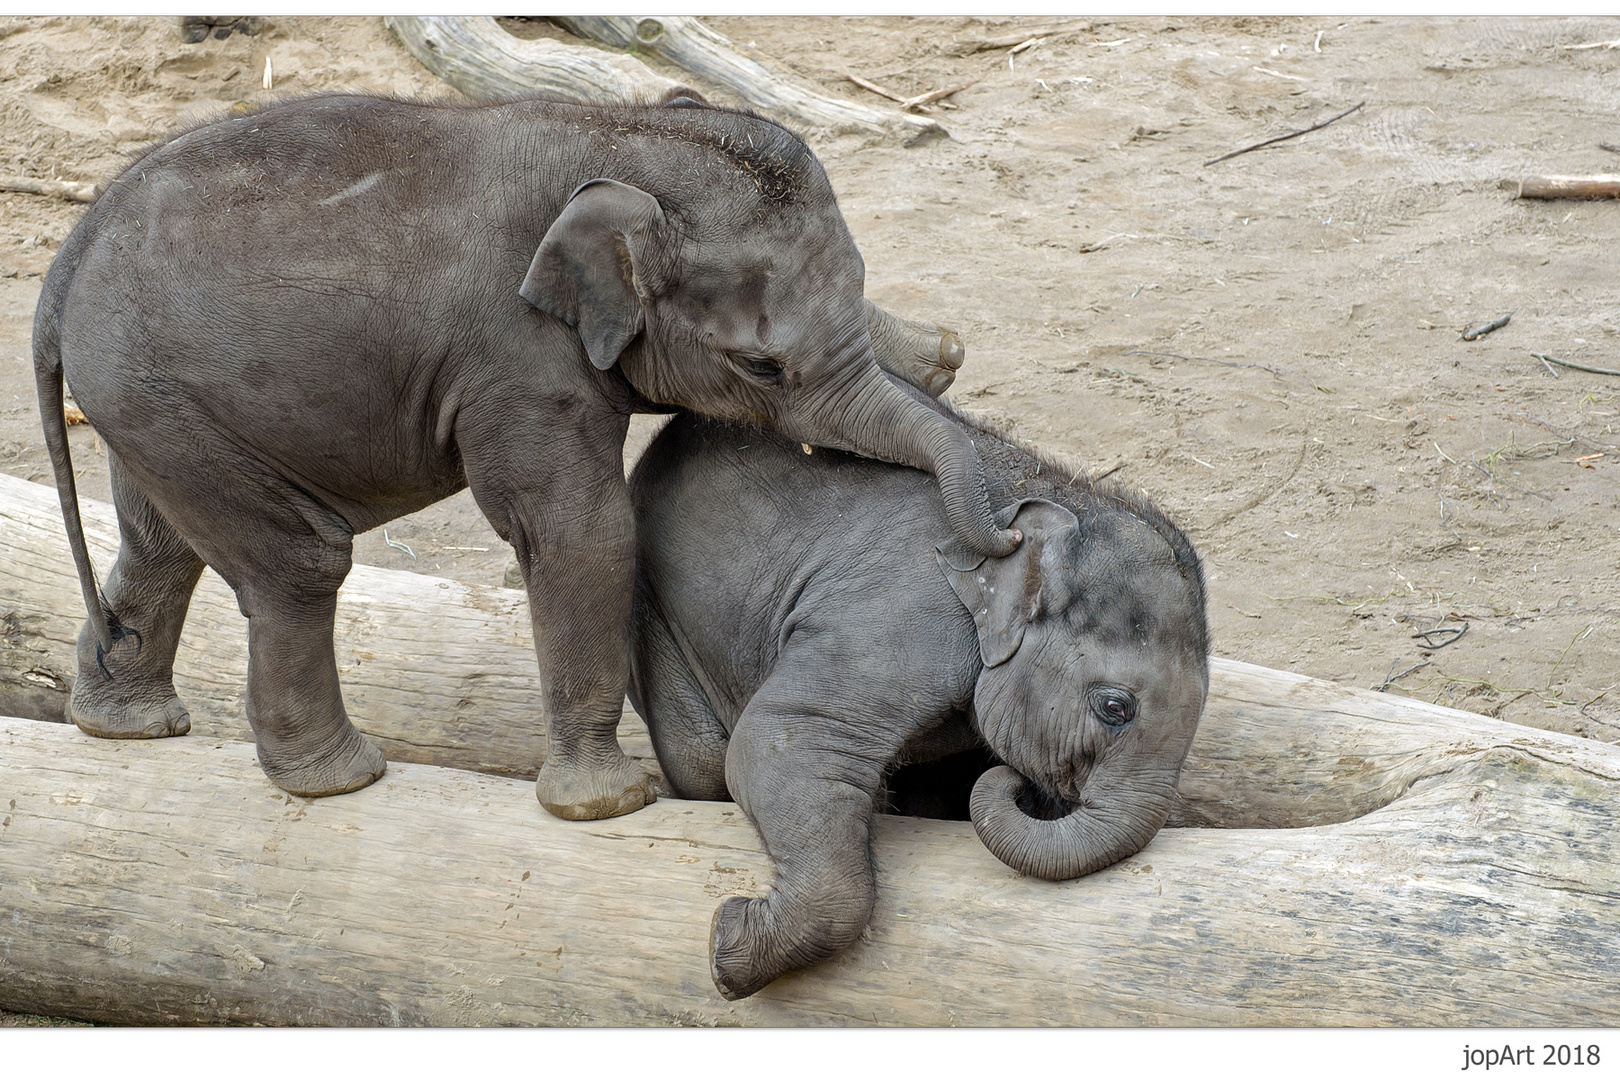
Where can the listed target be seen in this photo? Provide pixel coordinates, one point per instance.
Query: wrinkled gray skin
(809, 639)
(292, 326)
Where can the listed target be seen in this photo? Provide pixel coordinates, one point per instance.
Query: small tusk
(807, 447)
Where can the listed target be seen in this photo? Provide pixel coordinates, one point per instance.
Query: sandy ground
(1269, 345)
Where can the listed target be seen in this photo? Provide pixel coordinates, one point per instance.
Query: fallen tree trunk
(715, 60)
(443, 673)
(161, 883)
(474, 55)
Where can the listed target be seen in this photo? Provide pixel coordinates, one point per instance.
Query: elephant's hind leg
(128, 693)
(307, 746)
(688, 737)
(285, 555)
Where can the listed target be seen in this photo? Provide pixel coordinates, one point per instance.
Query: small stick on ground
(1564, 187)
(1550, 369)
(1394, 678)
(1545, 359)
(1290, 135)
(1566, 436)
(1610, 147)
(396, 545)
(866, 84)
(1445, 635)
(934, 95)
(71, 190)
(1017, 37)
(1110, 471)
(1473, 333)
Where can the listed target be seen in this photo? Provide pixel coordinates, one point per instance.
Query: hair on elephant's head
(1095, 651)
(720, 277)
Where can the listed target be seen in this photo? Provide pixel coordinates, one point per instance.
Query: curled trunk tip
(1086, 839)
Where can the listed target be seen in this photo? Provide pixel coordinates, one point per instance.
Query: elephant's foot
(346, 763)
(735, 963)
(105, 717)
(576, 794)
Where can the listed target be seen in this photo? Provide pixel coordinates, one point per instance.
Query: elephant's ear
(585, 270)
(684, 97)
(1004, 594)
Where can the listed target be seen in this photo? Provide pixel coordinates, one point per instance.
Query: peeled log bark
(168, 882)
(714, 60)
(443, 673)
(477, 57)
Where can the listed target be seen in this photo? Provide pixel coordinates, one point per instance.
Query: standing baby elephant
(805, 626)
(294, 325)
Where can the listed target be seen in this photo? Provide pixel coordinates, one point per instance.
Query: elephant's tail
(48, 380)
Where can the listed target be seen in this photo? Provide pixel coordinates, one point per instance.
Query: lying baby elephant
(804, 626)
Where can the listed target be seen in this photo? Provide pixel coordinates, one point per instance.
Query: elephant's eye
(1113, 706)
(762, 368)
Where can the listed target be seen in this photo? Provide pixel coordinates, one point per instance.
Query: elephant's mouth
(1036, 802)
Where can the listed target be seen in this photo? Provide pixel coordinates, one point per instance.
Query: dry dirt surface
(1270, 346)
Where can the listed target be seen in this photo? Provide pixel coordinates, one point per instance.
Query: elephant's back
(740, 532)
(714, 485)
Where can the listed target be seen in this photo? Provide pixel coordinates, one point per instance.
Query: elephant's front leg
(806, 772)
(579, 582)
(560, 500)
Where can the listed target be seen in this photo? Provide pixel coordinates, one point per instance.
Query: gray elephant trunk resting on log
(294, 325)
(809, 639)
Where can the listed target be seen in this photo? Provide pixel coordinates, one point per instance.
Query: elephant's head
(738, 293)
(1095, 654)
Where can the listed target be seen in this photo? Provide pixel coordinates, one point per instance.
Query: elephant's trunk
(875, 418)
(1112, 820)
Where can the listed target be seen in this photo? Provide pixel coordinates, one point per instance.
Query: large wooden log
(169, 882)
(715, 60)
(443, 673)
(483, 61)
(474, 55)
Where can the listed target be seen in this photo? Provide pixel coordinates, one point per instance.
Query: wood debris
(1016, 38)
(935, 95)
(1290, 135)
(1474, 333)
(71, 190)
(1564, 187)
